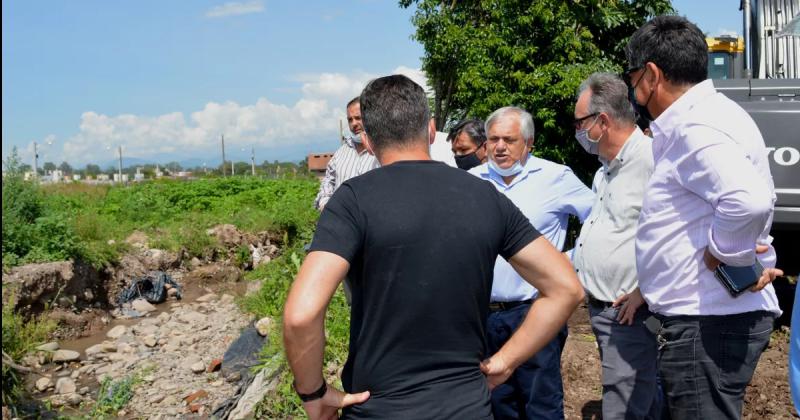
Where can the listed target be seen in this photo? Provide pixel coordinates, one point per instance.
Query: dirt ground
(767, 397)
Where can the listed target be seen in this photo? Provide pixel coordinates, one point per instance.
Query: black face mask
(640, 109)
(467, 162)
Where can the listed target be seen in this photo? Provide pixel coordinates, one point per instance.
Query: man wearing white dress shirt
(709, 201)
(350, 160)
(605, 255)
(547, 194)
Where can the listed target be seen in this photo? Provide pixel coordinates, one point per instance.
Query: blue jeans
(706, 362)
(534, 390)
(629, 357)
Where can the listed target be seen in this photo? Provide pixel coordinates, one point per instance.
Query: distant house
(318, 162)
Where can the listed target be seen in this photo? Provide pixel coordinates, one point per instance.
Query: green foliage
(485, 54)
(113, 396)
(78, 220)
(20, 337)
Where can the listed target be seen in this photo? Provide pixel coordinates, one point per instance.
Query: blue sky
(165, 78)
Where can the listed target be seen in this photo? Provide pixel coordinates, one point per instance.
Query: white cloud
(235, 8)
(264, 124)
(725, 32)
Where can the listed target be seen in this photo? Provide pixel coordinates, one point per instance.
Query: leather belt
(598, 303)
(504, 306)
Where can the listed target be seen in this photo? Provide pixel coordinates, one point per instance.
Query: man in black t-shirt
(418, 240)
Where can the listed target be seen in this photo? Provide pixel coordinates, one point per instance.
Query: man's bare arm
(541, 265)
(304, 330)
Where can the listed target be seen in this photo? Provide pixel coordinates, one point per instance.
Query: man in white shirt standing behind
(351, 159)
(709, 201)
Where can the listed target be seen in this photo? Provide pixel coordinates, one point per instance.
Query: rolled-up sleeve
(718, 170)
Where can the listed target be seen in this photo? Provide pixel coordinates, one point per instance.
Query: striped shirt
(346, 163)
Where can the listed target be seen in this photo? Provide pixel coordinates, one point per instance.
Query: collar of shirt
(624, 152)
(531, 165)
(665, 125)
(352, 145)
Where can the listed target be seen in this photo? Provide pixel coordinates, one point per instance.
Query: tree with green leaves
(481, 55)
(65, 168)
(49, 167)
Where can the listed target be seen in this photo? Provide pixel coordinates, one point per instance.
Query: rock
(138, 239)
(208, 297)
(143, 306)
(226, 298)
(195, 262)
(195, 396)
(214, 365)
(43, 383)
(149, 341)
(227, 234)
(75, 374)
(74, 399)
(65, 386)
(116, 332)
(198, 367)
(51, 346)
(62, 356)
(214, 273)
(192, 317)
(172, 292)
(108, 347)
(146, 330)
(264, 325)
(155, 399)
(253, 287)
(84, 390)
(218, 382)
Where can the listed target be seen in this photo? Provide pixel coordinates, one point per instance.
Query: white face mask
(589, 144)
(511, 171)
(355, 138)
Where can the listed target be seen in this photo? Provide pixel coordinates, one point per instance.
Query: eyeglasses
(578, 122)
(626, 75)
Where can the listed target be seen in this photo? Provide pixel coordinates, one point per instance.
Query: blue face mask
(355, 138)
(511, 171)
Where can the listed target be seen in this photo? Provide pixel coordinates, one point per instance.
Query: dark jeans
(706, 362)
(534, 390)
(629, 357)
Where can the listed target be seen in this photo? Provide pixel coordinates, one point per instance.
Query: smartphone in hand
(739, 279)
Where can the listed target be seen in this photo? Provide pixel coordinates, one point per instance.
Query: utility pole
(35, 160)
(253, 160)
(233, 168)
(120, 164)
(223, 155)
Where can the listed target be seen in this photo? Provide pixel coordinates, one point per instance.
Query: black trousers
(706, 362)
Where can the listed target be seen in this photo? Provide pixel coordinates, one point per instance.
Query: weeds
(114, 395)
(19, 338)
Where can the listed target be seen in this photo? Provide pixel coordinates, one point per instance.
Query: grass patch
(114, 395)
(19, 338)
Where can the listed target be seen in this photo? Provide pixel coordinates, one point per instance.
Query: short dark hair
(395, 112)
(474, 129)
(674, 44)
(352, 101)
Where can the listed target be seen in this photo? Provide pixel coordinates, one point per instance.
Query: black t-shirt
(422, 239)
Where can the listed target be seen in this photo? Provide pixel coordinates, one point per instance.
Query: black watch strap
(314, 395)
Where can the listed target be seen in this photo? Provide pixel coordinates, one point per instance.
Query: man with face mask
(351, 159)
(547, 194)
(468, 143)
(604, 255)
(709, 202)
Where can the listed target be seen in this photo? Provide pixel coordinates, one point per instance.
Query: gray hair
(609, 95)
(526, 128)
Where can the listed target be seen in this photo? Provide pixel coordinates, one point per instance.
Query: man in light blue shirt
(547, 194)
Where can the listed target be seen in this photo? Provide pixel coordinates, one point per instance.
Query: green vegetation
(19, 338)
(89, 222)
(114, 395)
(481, 55)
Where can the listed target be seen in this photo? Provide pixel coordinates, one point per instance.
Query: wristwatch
(312, 396)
